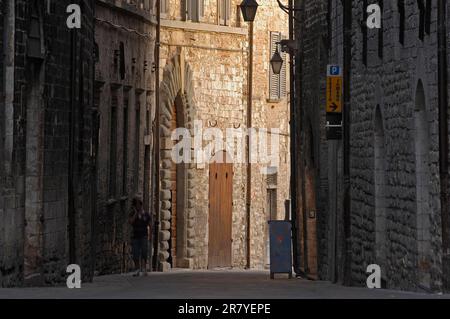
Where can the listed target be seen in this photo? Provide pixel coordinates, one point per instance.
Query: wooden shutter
(164, 6)
(227, 11)
(185, 10)
(274, 79)
(201, 9)
(192, 7)
(195, 9)
(221, 10)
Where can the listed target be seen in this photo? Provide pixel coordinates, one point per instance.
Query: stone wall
(50, 148)
(315, 151)
(400, 226)
(217, 57)
(392, 84)
(124, 79)
(2, 106)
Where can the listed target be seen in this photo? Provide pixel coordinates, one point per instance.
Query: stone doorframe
(176, 93)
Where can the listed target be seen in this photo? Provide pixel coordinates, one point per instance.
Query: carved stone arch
(380, 180)
(380, 188)
(422, 145)
(177, 105)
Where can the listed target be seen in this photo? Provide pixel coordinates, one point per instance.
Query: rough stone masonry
(46, 99)
(395, 216)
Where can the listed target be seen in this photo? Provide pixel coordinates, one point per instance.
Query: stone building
(381, 192)
(124, 99)
(204, 73)
(45, 146)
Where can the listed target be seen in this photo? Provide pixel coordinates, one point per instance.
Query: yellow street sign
(334, 94)
(334, 89)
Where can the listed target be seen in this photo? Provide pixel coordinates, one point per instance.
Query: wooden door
(220, 214)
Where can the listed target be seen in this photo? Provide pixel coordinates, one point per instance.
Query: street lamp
(276, 62)
(249, 8)
(296, 115)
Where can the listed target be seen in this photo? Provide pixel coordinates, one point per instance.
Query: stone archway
(423, 178)
(380, 190)
(176, 105)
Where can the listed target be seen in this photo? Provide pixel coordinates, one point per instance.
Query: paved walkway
(206, 285)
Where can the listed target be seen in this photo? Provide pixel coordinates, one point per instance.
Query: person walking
(141, 222)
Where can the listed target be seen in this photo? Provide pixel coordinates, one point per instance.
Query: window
(364, 33)
(401, 12)
(192, 10)
(34, 45)
(164, 7)
(137, 142)
(277, 82)
(421, 5)
(428, 17)
(125, 145)
(272, 185)
(122, 60)
(381, 34)
(224, 11)
(113, 146)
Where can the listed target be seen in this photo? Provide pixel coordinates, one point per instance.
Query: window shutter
(196, 10)
(227, 11)
(164, 6)
(221, 12)
(193, 10)
(185, 10)
(201, 9)
(34, 45)
(274, 79)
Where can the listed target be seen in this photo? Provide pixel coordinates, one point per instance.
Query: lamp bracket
(288, 46)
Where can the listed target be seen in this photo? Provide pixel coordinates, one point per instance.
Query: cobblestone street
(207, 285)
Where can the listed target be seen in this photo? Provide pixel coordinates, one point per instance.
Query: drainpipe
(347, 99)
(297, 158)
(71, 203)
(74, 104)
(249, 156)
(443, 137)
(294, 146)
(157, 133)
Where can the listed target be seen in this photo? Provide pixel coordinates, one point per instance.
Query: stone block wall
(392, 84)
(50, 148)
(389, 109)
(218, 60)
(124, 76)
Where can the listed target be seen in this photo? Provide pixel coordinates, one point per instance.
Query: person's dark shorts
(139, 248)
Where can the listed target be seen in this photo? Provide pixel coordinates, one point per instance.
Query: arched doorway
(176, 235)
(220, 211)
(422, 150)
(178, 193)
(380, 186)
(310, 213)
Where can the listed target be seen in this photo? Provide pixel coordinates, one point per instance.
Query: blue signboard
(280, 248)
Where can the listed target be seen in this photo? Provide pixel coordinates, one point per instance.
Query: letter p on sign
(74, 280)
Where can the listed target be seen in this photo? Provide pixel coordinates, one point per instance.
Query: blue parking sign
(334, 70)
